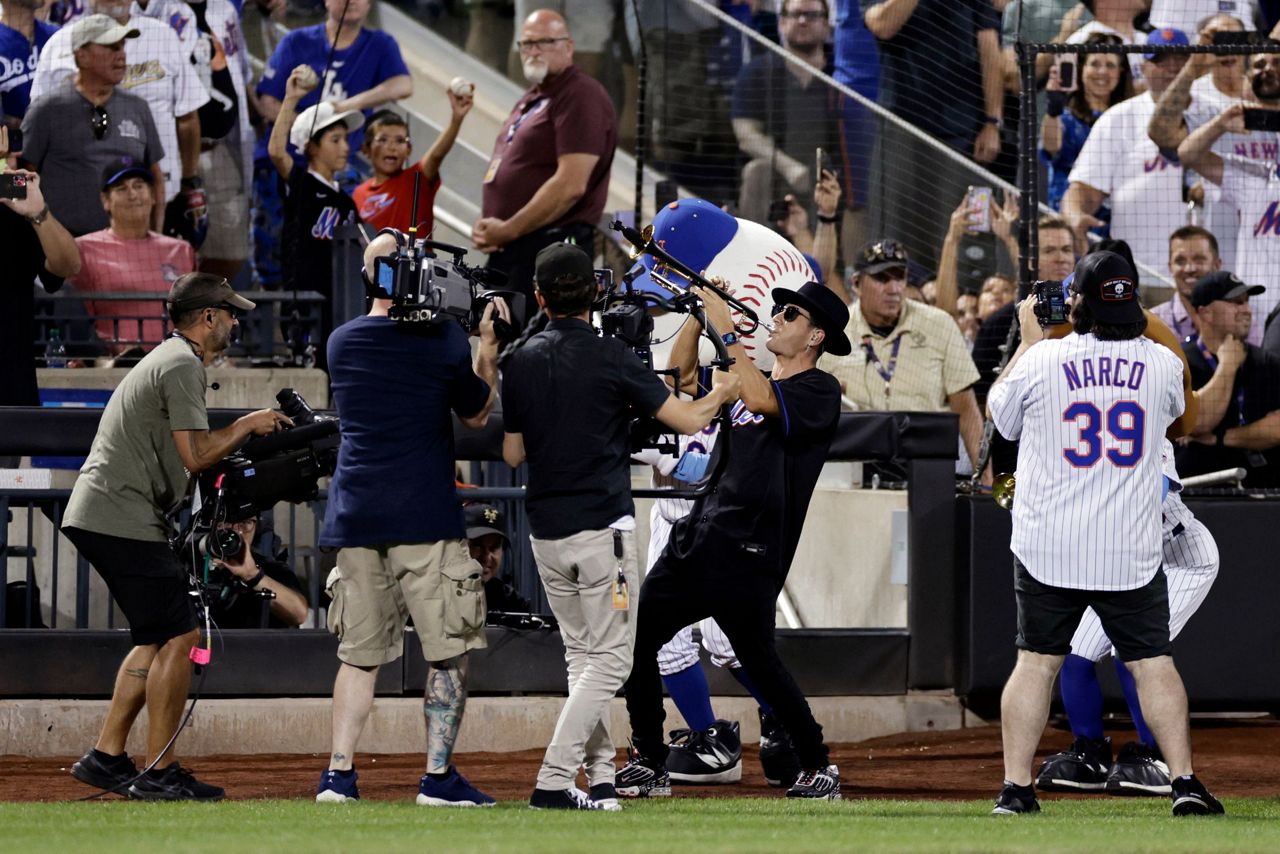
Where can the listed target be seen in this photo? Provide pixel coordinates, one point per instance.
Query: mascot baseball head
(750, 257)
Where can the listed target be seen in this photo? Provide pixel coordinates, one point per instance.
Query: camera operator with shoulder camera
(568, 398)
(155, 430)
(395, 516)
(255, 577)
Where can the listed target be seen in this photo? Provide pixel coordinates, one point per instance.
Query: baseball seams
(1190, 564)
(756, 290)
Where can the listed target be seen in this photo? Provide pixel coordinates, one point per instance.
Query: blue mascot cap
(694, 231)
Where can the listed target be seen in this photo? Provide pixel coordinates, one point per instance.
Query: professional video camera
(424, 288)
(284, 466)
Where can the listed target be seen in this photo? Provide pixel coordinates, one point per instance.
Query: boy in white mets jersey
(1091, 411)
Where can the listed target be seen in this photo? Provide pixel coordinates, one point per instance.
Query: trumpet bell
(1002, 490)
(635, 252)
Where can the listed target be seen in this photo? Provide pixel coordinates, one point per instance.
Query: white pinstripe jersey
(675, 509)
(1091, 416)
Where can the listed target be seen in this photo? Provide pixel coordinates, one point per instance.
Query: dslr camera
(1051, 303)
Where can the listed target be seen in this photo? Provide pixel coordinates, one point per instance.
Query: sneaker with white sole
(1083, 767)
(820, 784)
(565, 799)
(1016, 800)
(1139, 769)
(706, 756)
(337, 787)
(642, 778)
(1190, 797)
(453, 790)
(606, 796)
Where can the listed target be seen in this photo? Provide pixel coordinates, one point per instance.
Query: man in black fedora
(729, 557)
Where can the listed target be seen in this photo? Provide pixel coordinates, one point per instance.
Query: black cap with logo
(1109, 287)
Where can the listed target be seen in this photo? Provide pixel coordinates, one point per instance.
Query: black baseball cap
(1109, 287)
(1221, 284)
(562, 260)
(485, 519)
(125, 167)
(825, 308)
(881, 255)
(202, 290)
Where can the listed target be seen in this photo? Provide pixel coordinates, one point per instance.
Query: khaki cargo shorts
(376, 590)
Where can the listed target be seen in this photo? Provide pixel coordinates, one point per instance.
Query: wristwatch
(993, 120)
(257, 579)
(192, 182)
(729, 338)
(40, 217)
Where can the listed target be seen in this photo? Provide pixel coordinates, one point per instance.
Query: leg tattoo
(445, 700)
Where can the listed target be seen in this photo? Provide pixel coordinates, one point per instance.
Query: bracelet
(256, 580)
(829, 220)
(195, 182)
(40, 217)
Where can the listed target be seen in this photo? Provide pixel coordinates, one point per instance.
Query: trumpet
(1002, 490)
(644, 244)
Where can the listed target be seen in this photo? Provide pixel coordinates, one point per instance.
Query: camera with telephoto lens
(425, 288)
(1051, 303)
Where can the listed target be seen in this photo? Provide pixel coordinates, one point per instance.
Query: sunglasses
(789, 313)
(235, 313)
(99, 121)
(884, 250)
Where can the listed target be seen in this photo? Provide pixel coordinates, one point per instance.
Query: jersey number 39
(1124, 423)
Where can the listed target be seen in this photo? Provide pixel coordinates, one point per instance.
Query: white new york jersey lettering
(1091, 416)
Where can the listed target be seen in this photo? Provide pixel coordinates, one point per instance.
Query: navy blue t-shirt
(18, 58)
(393, 386)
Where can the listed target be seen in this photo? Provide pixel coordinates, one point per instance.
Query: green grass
(677, 826)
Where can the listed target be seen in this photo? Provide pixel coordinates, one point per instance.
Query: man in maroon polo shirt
(548, 177)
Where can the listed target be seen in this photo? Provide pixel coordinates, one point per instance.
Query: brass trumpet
(1002, 490)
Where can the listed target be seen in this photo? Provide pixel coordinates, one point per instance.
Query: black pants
(740, 591)
(517, 257)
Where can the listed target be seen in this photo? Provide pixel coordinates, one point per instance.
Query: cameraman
(153, 432)
(568, 398)
(253, 575)
(394, 514)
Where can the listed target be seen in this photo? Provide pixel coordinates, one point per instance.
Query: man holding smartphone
(1253, 187)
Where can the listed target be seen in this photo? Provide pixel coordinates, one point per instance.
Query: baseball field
(910, 792)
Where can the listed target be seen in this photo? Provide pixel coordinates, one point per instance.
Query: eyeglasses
(789, 313)
(235, 313)
(884, 250)
(99, 121)
(541, 44)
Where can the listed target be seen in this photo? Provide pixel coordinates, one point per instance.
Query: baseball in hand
(462, 87)
(306, 76)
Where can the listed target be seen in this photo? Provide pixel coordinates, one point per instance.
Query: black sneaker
(706, 756)
(1081, 768)
(173, 783)
(642, 778)
(112, 773)
(1190, 797)
(821, 784)
(778, 758)
(564, 799)
(1016, 800)
(606, 796)
(1139, 769)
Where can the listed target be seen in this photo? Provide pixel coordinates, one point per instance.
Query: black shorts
(145, 579)
(1136, 621)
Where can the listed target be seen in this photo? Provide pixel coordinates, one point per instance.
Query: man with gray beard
(548, 176)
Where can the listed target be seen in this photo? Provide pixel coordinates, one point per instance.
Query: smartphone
(1242, 37)
(604, 280)
(980, 207)
(13, 186)
(1068, 80)
(1259, 119)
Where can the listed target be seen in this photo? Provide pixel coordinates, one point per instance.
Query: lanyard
(529, 110)
(885, 371)
(1213, 363)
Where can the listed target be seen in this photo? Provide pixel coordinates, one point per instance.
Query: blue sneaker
(452, 791)
(337, 787)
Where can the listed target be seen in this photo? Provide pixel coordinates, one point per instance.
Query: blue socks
(692, 696)
(1082, 696)
(1130, 689)
(740, 673)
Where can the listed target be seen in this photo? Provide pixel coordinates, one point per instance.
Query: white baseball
(462, 87)
(307, 76)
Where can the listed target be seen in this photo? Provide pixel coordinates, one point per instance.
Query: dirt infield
(1234, 757)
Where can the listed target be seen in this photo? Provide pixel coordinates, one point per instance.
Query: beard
(535, 69)
(1265, 86)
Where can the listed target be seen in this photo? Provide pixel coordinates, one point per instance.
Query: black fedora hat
(827, 311)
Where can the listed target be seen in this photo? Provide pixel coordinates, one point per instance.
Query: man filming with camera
(394, 514)
(154, 430)
(569, 397)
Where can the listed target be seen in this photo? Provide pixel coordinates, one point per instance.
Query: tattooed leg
(352, 700)
(127, 700)
(445, 700)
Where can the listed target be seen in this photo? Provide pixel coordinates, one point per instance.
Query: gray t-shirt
(58, 139)
(133, 475)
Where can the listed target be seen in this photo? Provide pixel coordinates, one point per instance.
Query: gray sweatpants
(578, 573)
